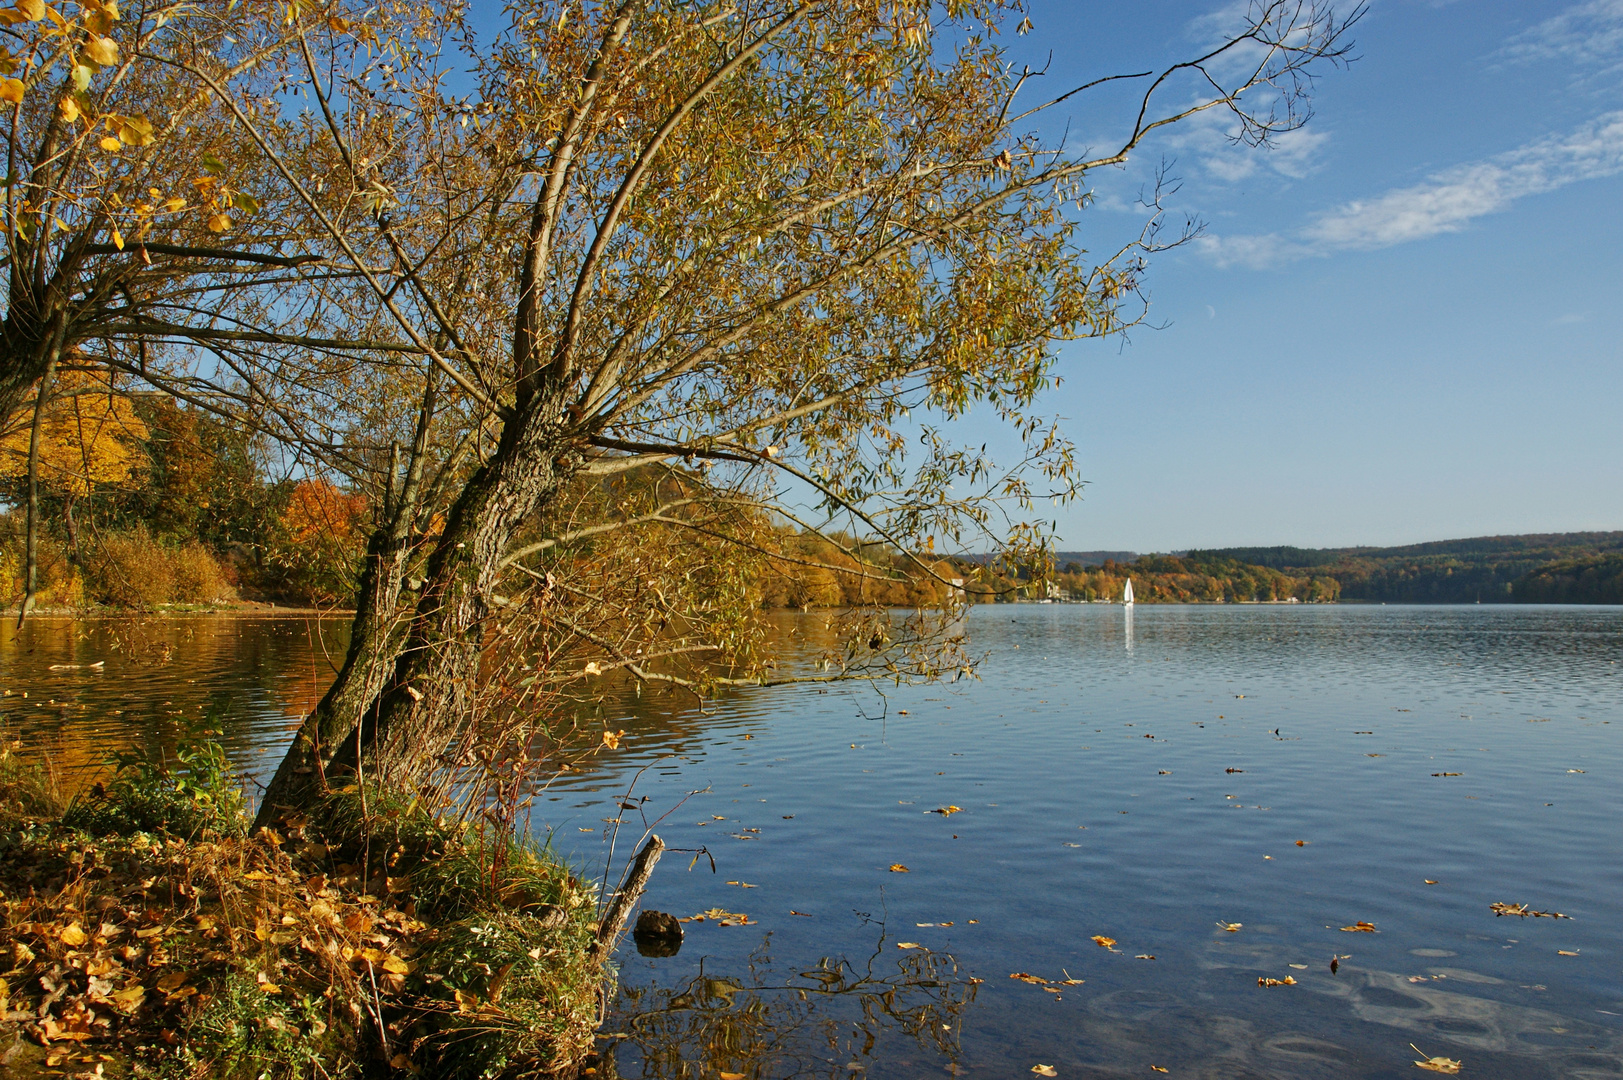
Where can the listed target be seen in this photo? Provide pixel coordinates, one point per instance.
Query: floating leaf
(1360, 927)
(908, 945)
(1231, 927)
(611, 739)
(743, 885)
(945, 811)
(1104, 942)
(1436, 1064)
(898, 868)
(1027, 977)
(1564, 952)
(1448, 774)
(1524, 911)
(1045, 1070)
(1289, 980)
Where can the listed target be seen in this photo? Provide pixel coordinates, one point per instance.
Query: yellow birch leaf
(12, 90)
(219, 223)
(70, 109)
(32, 10)
(110, 144)
(118, 240)
(129, 999)
(173, 205)
(73, 935)
(136, 130)
(101, 50)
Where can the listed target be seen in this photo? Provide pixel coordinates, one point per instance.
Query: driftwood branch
(631, 890)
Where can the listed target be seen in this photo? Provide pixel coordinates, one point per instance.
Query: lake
(1147, 817)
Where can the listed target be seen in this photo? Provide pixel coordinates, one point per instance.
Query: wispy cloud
(1589, 34)
(1445, 202)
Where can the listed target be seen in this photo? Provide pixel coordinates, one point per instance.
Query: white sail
(1127, 593)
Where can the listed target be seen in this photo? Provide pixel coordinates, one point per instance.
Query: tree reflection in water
(826, 1021)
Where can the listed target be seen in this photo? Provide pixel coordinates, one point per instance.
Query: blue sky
(1403, 324)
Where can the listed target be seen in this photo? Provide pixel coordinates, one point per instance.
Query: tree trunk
(401, 699)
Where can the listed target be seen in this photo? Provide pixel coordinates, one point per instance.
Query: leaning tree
(592, 302)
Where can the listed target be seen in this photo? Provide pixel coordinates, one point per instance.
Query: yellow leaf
(1436, 1064)
(73, 935)
(611, 739)
(731, 1076)
(118, 240)
(1103, 942)
(898, 868)
(129, 999)
(70, 109)
(12, 90)
(219, 223)
(32, 10)
(110, 144)
(1359, 927)
(101, 50)
(1045, 1070)
(173, 205)
(136, 130)
(337, 25)
(172, 981)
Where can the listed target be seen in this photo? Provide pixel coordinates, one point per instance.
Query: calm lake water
(1146, 782)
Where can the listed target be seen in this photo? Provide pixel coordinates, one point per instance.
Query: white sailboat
(1127, 594)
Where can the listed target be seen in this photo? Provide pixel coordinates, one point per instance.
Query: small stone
(657, 933)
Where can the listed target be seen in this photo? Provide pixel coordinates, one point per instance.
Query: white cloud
(1445, 202)
(1590, 33)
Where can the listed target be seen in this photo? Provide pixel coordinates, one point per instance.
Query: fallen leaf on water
(731, 1076)
(898, 868)
(743, 885)
(1103, 942)
(1157, 1068)
(908, 945)
(1143, 956)
(1163, 772)
(1436, 1064)
(945, 811)
(1045, 1070)
(1052, 990)
(1233, 770)
(1299, 967)
(1301, 843)
(1564, 952)
(1428, 881)
(1524, 911)
(1448, 774)
(1231, 927)
(802, 914)
(1289, 980)
(1360, 927)
(1026, 977)
(1575, 770)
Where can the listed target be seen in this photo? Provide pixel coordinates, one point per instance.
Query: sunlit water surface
(1146, 782)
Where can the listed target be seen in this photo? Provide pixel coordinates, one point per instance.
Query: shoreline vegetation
(147, 934)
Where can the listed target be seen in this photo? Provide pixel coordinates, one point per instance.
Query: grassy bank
(143, 933)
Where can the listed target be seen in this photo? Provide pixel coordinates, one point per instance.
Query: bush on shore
(144, 928)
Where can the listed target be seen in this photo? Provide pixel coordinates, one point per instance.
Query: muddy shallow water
(1145, 784)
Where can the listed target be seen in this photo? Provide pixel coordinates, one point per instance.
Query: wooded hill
(1570, 568)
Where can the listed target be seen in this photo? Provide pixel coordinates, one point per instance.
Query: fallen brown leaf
(1289, 980)
(1104, 942)
(1360, 927)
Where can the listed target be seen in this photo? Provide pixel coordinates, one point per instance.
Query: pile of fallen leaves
(269, 956)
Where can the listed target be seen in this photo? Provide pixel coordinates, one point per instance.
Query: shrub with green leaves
(199, 794)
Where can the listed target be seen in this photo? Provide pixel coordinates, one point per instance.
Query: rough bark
(429, 695)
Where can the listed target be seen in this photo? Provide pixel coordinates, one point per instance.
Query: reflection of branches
(812, 1024)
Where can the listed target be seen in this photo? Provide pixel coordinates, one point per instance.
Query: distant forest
(1547, 568)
